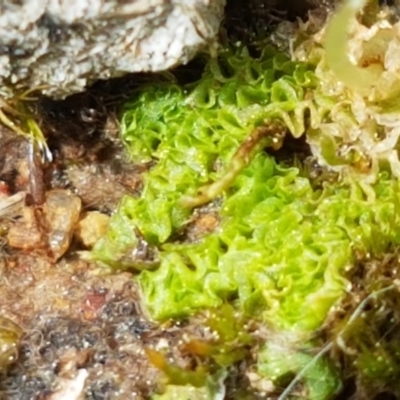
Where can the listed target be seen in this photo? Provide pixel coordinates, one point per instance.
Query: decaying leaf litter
(294, 328)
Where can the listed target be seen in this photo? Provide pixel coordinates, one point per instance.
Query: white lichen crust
(63, 45)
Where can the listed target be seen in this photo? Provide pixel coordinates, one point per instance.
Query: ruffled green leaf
(282, 249)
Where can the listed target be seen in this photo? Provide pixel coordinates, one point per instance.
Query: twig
(244, 155)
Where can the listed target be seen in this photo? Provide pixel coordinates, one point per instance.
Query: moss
(284, 246)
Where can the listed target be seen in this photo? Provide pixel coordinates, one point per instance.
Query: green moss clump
(282, 249)
(184, 129)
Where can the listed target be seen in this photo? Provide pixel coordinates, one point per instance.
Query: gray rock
(61, 46)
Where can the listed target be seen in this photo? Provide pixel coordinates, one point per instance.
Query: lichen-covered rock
(63, 45)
